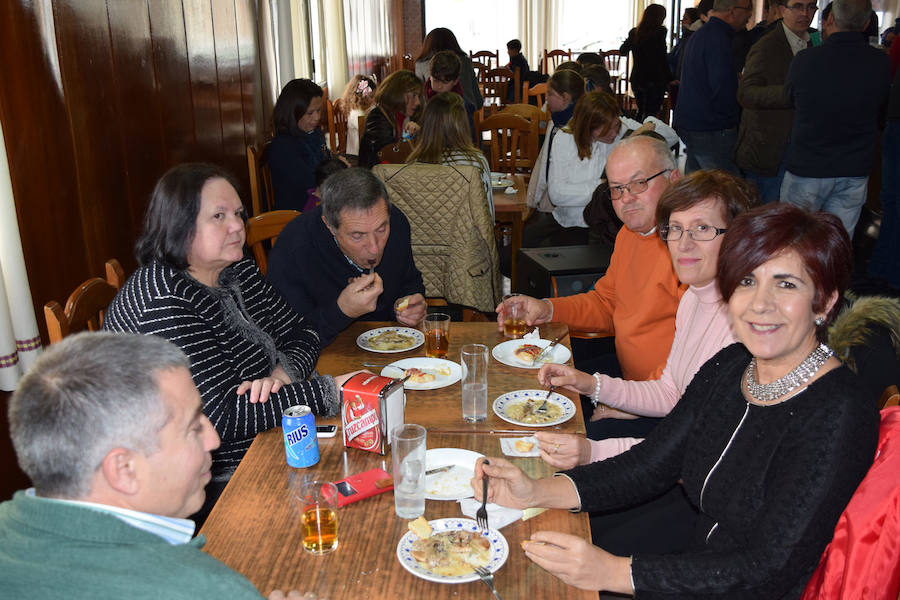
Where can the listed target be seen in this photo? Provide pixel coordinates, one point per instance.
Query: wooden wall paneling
(141, 136)
(257, 124)
(39, 147)
(173, 82)
(201, 57)
(228, 72)
(85, 58)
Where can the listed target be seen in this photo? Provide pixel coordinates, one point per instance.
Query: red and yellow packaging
(371, 406)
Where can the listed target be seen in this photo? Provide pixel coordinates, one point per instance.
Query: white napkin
(498, 516)
(534, 335)
(511, 190)
(508, 446)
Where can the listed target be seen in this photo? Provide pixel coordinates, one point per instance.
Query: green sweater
(52, 550)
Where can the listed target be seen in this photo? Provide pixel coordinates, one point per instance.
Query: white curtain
(336, 49)
(637, 10)
(539, 24)
(20, 342)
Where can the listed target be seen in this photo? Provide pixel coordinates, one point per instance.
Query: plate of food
(500, 180)
(521, 408)
(520, 353)
(424, 373)
(448, 550)
(453, 483)
(390, 339)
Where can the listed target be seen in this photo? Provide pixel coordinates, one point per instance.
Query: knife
(547, 351)
(438, 470)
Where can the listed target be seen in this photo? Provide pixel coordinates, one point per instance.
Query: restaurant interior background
(100, 97)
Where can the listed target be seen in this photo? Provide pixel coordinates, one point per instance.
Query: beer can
(301, 445)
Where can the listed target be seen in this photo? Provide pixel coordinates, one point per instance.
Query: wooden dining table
(255, 526)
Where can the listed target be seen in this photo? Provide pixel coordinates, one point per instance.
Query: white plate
(519, 396)
(499, 551)
(418, 337)
(396, 369)
(454, 484)
(500, 180)
(505, 353)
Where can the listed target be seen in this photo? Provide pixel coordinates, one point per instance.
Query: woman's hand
(606, 412)
(411, 127)
(508, 485)
(261, 388)
(567, 377)
(564, 450)
(579, 563)
(534, 311)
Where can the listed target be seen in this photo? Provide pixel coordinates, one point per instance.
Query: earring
(819, 321)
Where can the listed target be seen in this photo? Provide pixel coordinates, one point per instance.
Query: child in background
(326, 169)
(357, 101)
(444, 68)
(518, 61)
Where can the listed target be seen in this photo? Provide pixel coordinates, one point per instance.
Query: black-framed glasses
(635, 187)
(699, 233)
(799, 8)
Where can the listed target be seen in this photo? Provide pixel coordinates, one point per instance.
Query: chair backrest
(513, 142)
(262, 195)
(496, 83)
(890, 397)
(85, 306)
(337, 127)
(395, 152)
(617, 63)
(538, 92)
(488, 58)
(481, 70)
(530, 112)
(263, 230)
(452, 230)
(554, 58)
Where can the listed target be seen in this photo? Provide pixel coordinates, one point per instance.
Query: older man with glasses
(707, 113)
(637, 298)
(767, 115)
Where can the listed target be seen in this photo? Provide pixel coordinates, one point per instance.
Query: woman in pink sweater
(692, 215)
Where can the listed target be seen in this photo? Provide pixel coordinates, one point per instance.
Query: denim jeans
(886, 256)
(769, 186)
(710, 150)
(841, 196)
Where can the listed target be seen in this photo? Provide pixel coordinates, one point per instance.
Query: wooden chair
(263, 230)
(490, 59)
(513, 142)
(481, 70)
(617, 63)
(262, 196)
(395, 152)
(85, 306)
(496, 84)
(337, 127)
(530, 112)
(554, 57)
(538, 92)
(890, 397)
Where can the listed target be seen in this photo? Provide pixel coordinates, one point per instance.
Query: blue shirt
(707, 97)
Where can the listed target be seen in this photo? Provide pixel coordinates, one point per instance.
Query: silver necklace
(802, 373)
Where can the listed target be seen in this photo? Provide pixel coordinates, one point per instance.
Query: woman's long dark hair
(439, 39)
(652, 19)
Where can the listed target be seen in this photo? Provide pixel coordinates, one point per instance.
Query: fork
(488, 578)
(481, 517)
(543, 407)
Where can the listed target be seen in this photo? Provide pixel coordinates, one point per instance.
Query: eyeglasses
(797, 8)
(700, 233)
(637, 186)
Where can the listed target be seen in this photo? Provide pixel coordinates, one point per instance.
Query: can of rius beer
(300, 442)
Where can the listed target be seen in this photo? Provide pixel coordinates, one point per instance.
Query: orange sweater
(636, 300)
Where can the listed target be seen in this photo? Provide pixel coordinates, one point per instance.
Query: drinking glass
(408, 462)
(319, 521)
(437, 332)
(474, 361)
(514, 316)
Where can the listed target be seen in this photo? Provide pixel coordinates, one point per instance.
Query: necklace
(764, 393)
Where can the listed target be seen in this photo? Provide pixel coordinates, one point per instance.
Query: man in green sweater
(109, 429)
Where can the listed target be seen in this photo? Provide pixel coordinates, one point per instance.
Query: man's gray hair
(723, 5)
(355, 188)
(851, 15)
(656, 144)
(84, 396)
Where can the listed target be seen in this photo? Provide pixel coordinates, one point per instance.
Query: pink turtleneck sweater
(702, 328)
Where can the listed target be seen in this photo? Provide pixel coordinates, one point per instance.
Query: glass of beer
(437, 332)
(318, 500)
(513, 316)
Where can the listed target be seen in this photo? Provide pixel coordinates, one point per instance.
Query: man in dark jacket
(349, 258)
(839, 92)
